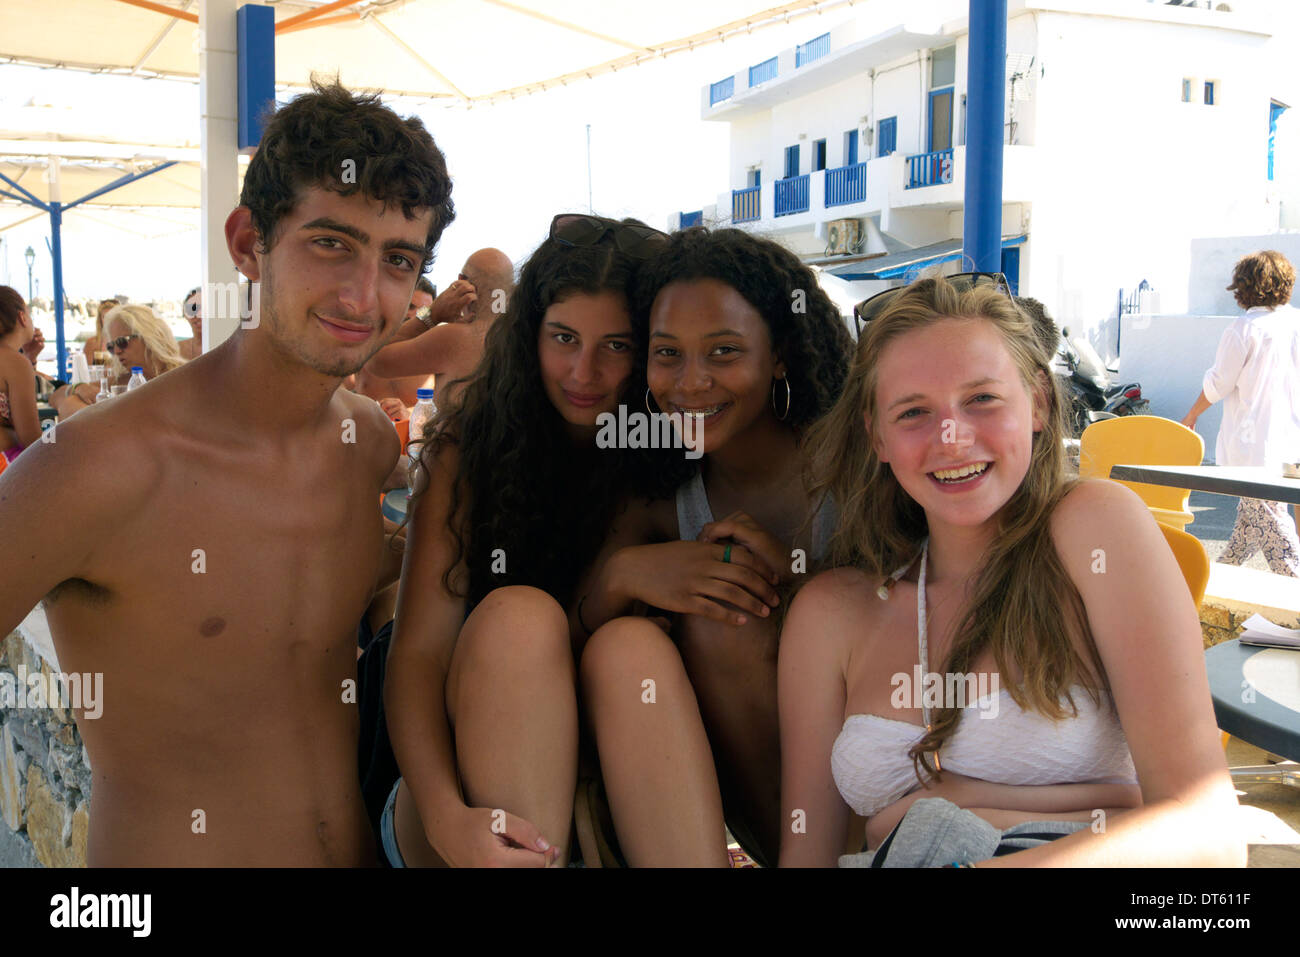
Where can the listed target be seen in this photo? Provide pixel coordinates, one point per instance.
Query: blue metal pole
(985, 105)
(56, 250)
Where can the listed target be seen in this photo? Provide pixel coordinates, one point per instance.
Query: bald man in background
(451, 349)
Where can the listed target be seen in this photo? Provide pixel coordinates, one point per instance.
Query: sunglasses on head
(121, 342)
(640, 242)
(869, 308)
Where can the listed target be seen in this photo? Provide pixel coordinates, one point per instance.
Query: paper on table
(1258, 630)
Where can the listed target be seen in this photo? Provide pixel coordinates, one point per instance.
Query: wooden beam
(160, 8)
(288, 22)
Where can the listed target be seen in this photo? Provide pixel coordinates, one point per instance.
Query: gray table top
(1248, 481)
(1245, 711)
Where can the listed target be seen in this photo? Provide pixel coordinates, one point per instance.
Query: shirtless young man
(452, 349)
(209, 542)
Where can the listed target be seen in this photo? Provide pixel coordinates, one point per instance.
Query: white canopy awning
(466, 51)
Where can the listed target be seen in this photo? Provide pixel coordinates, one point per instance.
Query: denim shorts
(937, 833)
(387, 831)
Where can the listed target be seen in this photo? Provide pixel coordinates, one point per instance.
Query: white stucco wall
(1129, 173)
(1169, 355)
(1212, 260)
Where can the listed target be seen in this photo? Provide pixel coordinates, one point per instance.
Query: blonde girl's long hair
(1023, 605)
(157, 338)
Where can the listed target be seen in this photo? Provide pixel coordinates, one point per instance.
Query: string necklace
(921, 640)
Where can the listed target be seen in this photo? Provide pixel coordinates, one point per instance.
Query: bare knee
(626, 650)
(517, 626)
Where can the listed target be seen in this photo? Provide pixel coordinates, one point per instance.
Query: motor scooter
(1087, 389)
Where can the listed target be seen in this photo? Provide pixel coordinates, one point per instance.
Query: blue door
(850, 147)
(887, 136)
(792, 161)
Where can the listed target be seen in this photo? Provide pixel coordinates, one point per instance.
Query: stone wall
(1219, 623)
(44, 772)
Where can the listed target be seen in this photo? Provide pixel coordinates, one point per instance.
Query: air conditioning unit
(843, 236)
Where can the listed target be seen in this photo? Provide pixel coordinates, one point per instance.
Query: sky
(513, 165)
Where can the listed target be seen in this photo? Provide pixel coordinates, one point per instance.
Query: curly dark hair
(1264, 278)
(348, 143)
(544, 502)
(807, 330)
(1045, 329)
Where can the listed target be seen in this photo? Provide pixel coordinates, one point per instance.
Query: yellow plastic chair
(1143, 440)
(1192, 560)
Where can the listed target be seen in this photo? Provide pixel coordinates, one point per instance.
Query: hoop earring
(782, 415)
(647, 401)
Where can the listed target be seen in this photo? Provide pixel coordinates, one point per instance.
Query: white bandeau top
(872, 770)
(1008, 746)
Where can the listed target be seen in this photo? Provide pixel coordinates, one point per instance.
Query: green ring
(726, 554)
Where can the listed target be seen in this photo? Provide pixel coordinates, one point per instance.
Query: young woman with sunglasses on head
(742, 340)
(480, 692)
(965, 549)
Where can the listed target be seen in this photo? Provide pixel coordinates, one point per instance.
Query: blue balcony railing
(929, 169)
(807, 52)
(762, 72)
(722, 90)
(792, 195)
(745, 204)
(846, 184)
(692, 219)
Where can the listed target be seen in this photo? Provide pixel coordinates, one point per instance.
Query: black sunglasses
(121, 342)
(869, 308)
(640, 242)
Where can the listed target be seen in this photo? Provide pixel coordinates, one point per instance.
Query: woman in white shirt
(1257, 374)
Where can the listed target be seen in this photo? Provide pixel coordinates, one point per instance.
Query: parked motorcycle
(1087, 389)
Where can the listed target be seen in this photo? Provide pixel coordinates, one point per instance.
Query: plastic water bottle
(99, 375)
(137, 378)
(421, 416)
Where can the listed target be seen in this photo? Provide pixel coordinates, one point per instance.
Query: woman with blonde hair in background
(134, 336)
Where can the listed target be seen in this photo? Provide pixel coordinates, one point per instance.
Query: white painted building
(1136, 132)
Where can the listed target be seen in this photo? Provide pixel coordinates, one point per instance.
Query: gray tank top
(693, 513)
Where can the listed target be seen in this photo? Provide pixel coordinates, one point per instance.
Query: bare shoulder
(1093, 508)
(835, 603)
(373, 430)
(94, 470)
(14, 367)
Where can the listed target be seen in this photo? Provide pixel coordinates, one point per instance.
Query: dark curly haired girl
(519, 496)
(744, 346)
